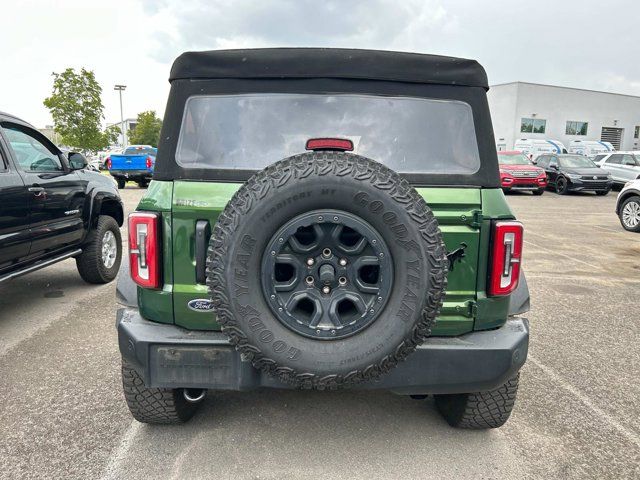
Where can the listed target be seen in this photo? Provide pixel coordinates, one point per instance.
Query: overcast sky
(586, 44)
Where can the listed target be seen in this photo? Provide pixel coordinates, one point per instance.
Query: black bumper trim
(170, 356)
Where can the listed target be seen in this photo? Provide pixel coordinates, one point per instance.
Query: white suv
(628, 206)
(623, 166)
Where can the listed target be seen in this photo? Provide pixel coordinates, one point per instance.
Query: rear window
(249, 132)
(140, 151)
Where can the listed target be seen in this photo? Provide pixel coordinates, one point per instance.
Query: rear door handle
(203, 233)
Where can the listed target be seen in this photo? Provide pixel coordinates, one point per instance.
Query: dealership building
(530, 110)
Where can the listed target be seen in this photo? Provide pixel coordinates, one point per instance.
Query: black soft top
(344, 63)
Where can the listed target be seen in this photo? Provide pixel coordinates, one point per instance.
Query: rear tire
(121, 183)
(538, 192)
(143, 183)
(97, 264)
(161, 406)
(480, 410)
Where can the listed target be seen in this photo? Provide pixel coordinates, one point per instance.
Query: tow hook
(194, 395)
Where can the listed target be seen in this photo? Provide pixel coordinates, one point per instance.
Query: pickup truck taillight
(108, 163)
(149, 162)
(506, 256)
(144, 249)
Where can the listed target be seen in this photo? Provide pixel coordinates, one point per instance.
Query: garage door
(613, 135)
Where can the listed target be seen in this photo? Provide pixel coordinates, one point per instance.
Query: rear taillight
(340, 144)
(506, 256)
(144, 249)
(108, 162)
(149, 162)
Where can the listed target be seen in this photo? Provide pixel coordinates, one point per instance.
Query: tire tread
(339, 164)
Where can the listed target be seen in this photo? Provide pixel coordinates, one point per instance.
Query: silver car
(628, 206)
(623, 166)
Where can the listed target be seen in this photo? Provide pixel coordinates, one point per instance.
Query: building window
(576, 128)
(533, 125)
(636, 132)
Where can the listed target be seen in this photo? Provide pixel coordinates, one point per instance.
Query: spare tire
(326, 269)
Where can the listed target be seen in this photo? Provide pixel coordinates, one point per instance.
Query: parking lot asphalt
(577, 413)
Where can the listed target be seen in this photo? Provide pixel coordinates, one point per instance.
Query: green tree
(147, 131)
(77, 110)
(112, 134)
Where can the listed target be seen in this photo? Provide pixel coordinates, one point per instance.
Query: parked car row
(563, 173)
(534, 147)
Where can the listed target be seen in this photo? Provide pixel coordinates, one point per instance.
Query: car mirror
(77, 161)
(553, 167)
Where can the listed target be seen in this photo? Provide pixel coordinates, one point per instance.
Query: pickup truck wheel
(479, 410)
(539, 191)
(100, 258)
(326, 269)
(121, 183)
(154, 405)
(143, 183)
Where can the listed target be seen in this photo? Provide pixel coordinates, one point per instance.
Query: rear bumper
(131, 174)
(172, 357)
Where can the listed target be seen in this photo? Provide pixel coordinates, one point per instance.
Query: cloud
(204, 25)
(584, 44)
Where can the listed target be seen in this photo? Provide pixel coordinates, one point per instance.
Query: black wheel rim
(327, 274)
(561, 185)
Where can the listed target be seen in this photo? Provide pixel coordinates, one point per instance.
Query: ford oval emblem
(200, 305)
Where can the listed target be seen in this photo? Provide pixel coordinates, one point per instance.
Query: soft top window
(251, 131)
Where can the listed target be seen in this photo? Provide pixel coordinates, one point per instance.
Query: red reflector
(149, 162)
(506, 257)
(108, 163)
(144, 249)
(342, 144)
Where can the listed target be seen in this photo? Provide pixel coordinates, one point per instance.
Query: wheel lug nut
(326, 289)
(326, 252)
(309, 280)
(310, 261)
(342, 281)
(343, 261)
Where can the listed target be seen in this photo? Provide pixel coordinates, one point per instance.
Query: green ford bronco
(323, 219)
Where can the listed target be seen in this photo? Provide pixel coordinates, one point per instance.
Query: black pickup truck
(53, 208)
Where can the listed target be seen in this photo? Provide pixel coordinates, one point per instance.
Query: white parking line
(112, 471)
(563, 255)
(631, 436)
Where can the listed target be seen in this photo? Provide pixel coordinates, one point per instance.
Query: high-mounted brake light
(149, 162)
(108, 162)
(342, 144)
(144, 249)
(506, 257)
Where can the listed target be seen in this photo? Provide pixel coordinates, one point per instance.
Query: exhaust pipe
(194, 395)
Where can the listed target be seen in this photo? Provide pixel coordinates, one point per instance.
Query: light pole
(120, 88)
